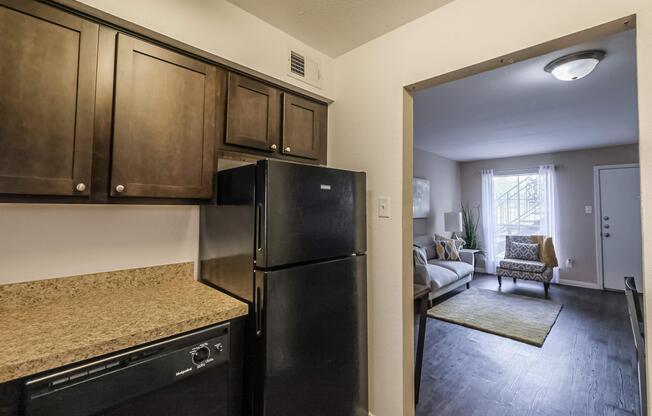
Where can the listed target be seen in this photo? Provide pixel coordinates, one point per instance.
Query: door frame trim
(597, 215)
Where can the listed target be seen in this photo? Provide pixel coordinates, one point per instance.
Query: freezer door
(315, 340)
(308, 213)
(226, 235)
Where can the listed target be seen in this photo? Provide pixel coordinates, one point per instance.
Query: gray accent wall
(575, 183)
(445, 189)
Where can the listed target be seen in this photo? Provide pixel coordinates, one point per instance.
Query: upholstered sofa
(539, 269)
(441, 276)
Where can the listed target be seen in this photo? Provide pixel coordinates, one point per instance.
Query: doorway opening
(522, 251)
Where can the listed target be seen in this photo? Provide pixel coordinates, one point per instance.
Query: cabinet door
(253, 114)
(304, 127)
(164, 123)
(47, 89)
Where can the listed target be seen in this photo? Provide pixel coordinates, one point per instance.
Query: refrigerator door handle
(259, 221)
(259, 311)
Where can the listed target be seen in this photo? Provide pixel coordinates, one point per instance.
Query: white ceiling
(337, 26)
(520, 109)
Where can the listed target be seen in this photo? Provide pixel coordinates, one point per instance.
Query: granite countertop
(50, 323)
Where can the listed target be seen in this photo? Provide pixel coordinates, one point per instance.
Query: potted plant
(470, 219)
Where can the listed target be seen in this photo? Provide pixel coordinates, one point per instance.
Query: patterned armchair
(528, 258)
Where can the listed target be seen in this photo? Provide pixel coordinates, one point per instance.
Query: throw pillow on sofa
(430, 251)
(419, 255)
(446, 250)
(459, 242)
(524, 251)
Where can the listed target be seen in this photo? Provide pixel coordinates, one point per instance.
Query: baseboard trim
(575, 283)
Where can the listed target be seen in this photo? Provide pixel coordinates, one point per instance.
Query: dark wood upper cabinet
(304, 127)
(253, 117)
(47, 88)
(107, 113)
(164, 123)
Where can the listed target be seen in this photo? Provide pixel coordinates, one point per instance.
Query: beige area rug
(517, 317)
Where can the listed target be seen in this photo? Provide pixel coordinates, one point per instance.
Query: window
(518, 207)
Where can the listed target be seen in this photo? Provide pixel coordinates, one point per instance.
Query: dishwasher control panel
(129, 374)
(208, 353)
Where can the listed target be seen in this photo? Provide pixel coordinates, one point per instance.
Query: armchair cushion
(545, 277)
(546, 247)
(509, 239)
(523, 265)
(524, 251)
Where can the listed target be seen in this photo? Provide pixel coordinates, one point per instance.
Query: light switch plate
(384, 208)
(588, 209)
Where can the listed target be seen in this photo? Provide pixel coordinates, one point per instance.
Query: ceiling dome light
(574, 66)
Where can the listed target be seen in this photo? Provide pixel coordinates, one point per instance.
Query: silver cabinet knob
(81, 187)
(607, 234)
(288, 149)
(606, 226)
(273, 147)
(606, 218)
(119, 188)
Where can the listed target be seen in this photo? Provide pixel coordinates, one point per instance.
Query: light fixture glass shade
(571, 71)
(575, 66)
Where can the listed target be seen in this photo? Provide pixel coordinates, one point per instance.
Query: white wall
(366, 133)
(575, 188)
(45, 241)
(223, 29)
(445, 190)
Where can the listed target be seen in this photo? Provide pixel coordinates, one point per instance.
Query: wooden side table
(421, 295)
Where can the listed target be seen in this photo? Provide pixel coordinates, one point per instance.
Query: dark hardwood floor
(587, 365)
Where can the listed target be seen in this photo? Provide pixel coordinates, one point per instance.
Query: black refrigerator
(290, 240)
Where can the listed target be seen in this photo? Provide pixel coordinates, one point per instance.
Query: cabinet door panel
(303, 127)
(47, 88)
(164, 124)
(253, 114)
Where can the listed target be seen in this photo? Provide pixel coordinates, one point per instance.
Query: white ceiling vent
(303, 68)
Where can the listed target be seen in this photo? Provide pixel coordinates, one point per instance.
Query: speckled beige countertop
(50, 323)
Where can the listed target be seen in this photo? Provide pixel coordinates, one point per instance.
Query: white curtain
(550, 203)
(488, 219)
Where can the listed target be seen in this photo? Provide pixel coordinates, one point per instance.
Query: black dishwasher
(183, 376)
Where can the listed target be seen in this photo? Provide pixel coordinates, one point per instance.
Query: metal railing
(518, 210)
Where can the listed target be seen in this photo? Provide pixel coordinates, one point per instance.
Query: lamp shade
(453, 221)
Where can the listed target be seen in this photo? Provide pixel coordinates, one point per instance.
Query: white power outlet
(384, 208)
(588, 209)
(570, 263)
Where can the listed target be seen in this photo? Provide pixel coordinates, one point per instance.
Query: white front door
(620, 226)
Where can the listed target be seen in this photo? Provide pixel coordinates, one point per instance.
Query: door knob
(273, 147)
(81, 187)
(119, 188)
(288, 149)
(607, 234)
(606, 218)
